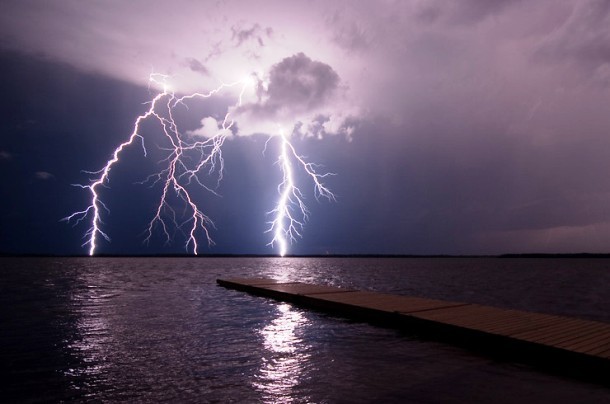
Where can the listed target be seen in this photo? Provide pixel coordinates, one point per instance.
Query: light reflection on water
(285, 357)
(92, 334)
(160, 329)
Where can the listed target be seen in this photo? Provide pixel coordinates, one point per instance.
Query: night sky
(453, 127)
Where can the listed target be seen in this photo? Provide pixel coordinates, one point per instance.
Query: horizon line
(227, 255)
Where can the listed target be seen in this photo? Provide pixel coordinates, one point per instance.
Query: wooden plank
(501, 317)
(474, 314)
(513, 326)
(304, 289)
(488, 319)
(556, 334)
(592, 351)
(560, 328)
(252, 281)
(574, 336)
(591, 342)
(599, 345)
(595, 348)
(493, 317)
(525, 323)
(454, 313)
(569, 342)
(504, 324)
(385, 302)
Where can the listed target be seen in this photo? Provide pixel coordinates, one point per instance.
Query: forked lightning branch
(181, 175)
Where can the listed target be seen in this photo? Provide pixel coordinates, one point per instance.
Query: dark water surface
(159, 329)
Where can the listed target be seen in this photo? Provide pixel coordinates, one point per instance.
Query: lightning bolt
(290, 212)
(176, 177)
(186, 162)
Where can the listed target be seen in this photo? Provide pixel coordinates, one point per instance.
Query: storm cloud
(239, 35)
(484, 124)
(296, 84)
(298, 95)
(196, 66)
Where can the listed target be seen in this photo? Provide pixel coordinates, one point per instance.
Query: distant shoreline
(522, 255)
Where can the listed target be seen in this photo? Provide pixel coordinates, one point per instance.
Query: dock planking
(580, 346)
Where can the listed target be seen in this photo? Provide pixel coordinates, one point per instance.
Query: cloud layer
(298, 94)
(487, 120)
(296, 84)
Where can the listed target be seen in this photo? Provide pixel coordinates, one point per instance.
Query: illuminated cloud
(351, 36)
(460, 12)
(296, 84)
(499, 107)
(298, 94)
(210, 127)
(583, 40)
(196, 66)
(239, 34)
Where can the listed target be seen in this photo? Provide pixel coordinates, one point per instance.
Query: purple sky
(459, 127)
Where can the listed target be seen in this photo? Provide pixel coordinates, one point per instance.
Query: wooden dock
(580, 347)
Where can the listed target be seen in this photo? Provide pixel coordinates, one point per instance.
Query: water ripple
(142, 330)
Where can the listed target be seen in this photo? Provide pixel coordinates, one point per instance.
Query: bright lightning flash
(290, 213)
(175, 177)
(189, 160)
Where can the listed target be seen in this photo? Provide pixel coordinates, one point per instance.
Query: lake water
(160, 329)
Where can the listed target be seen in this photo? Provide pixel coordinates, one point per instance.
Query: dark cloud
(254, 33)
(349, 34)
(461, 12)
(429, 14)
(318, 126)
(196, 66)
(297, 84)
(352, 37)
(298, 80)
(467, 143)
(215, 51)
(470, 11)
